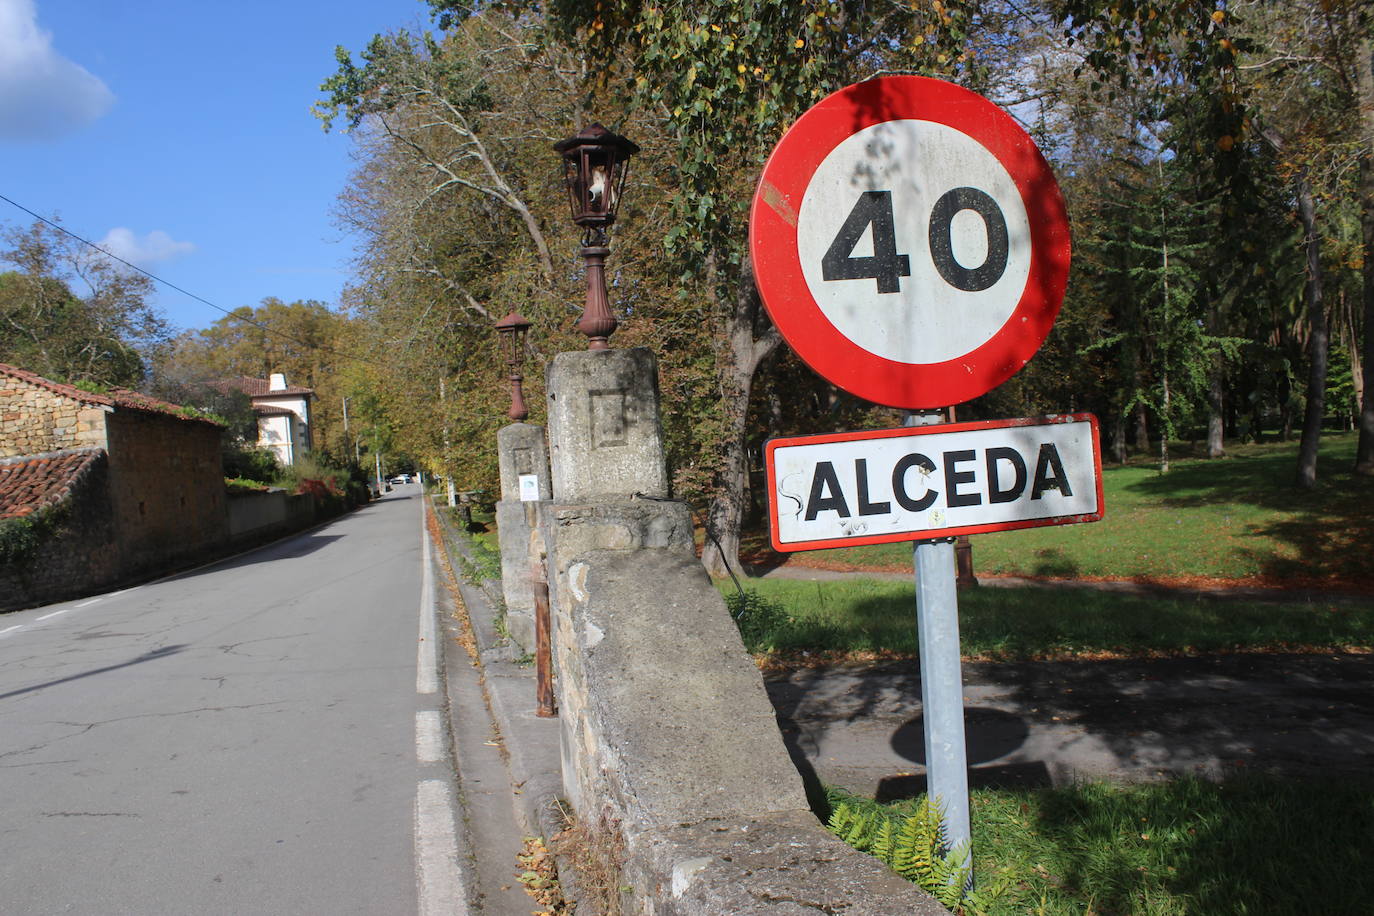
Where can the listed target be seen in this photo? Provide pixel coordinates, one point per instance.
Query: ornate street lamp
(512, 329)
(595, 163)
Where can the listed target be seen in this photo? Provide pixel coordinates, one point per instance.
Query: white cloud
(153, 248)
(43, 95)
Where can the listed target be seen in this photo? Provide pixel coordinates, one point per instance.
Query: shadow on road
(149, 656)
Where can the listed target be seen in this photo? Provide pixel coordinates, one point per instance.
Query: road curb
(532, 744)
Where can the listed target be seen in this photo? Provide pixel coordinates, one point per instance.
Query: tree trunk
(1216, 418)
(1364, 67)
(1164, 430)
(725, 518)
(749, 338)
(1318, 342)
(1216, 392)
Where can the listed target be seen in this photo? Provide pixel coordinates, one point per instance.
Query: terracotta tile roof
(267, 410)
(34, 482)
(114, 397)
(259, 387)
(67, 391)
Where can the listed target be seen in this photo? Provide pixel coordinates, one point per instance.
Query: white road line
(89, 603)
(427, 656)
(55, 613)
(17, 626)
(438, 881)
(429, 736)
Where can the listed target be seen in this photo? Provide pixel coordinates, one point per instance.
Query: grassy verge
(869, 616)
(483, 545)
(1248, 846)
(1237, 518)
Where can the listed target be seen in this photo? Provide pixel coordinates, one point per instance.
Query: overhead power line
(185, 292)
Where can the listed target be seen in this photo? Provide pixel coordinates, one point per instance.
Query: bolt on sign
(878, 486)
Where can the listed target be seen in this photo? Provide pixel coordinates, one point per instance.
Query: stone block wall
(166, 487)
(36, 420)
(81, 557)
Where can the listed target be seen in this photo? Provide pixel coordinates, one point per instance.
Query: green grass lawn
(1233, 518)
(865, 615)
(1187, 847)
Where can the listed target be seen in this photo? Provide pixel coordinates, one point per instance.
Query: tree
(452, 203)
(70, 313)
(1299, 76)
(722, 80)
(304, 340)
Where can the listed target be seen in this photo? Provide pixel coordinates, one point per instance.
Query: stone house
(283, 413)
(138, 484)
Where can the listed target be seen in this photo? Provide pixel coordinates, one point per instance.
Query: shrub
(20, 537)
(759, 619)
(246, 462)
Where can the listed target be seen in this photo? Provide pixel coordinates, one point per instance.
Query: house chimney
(277, 382)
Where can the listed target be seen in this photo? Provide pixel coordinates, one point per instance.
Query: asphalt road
(261, 736)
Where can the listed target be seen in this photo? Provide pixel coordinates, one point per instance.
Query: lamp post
(512, 329)
(595, 163)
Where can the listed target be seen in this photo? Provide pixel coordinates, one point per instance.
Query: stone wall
(257, 516)
(166, 487)
(36, 420)
(81, 557)
(667, 735)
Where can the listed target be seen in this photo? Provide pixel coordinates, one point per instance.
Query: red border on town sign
(934, 533)
(777, 264)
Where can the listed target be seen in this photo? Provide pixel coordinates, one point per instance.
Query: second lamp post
(512, 330)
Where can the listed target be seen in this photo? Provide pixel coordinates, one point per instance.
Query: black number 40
(887, 267)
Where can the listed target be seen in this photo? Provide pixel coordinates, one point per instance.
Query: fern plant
(913, 846)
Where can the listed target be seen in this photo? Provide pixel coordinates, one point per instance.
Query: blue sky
(180, 135)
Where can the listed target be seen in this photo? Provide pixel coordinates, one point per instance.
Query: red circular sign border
(777, 264)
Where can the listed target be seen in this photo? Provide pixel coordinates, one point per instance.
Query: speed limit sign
(910, 242)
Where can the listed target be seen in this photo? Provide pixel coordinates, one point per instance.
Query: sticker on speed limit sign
(910, 242)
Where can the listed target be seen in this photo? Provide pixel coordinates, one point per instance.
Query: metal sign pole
(942, 684)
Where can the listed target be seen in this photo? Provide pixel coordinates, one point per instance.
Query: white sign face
(529, 488)
(914, 483)
(914, 241)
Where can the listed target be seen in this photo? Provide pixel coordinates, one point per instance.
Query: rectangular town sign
(921, 482)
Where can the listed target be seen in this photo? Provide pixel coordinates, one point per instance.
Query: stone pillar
(664, 716)
(605, 439)
(521, 453)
